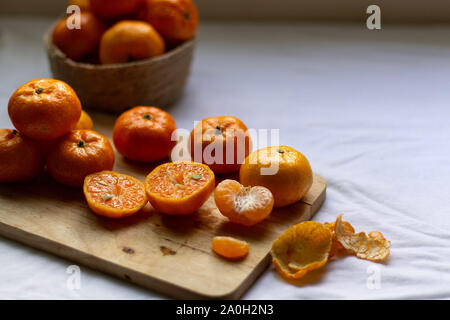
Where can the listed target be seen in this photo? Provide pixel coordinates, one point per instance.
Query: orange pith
(179, 187)
(243, 205)
(229, 247)
(114, 195)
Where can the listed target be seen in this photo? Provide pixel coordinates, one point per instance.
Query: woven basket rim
(89, 66)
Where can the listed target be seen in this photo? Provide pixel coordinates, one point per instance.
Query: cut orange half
(114, 195)
(180, 187)
(229, 247)
(243, 205)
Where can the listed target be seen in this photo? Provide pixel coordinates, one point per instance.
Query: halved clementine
(229, 247)
(243, 205)
(114, 195)
(180, 187)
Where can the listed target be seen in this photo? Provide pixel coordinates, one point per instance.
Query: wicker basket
(158, 81)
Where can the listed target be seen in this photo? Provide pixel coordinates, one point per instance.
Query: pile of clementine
(118, 31)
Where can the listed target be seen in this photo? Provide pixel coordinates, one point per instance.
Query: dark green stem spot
(147, 116)
(187, 15)
(14, 132)
(218, 130)
(39, 90)
(280, 150)
(81, 144)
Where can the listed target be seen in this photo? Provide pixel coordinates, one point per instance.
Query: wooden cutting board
(168, 254)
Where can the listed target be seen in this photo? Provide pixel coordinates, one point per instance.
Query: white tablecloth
(370, 109)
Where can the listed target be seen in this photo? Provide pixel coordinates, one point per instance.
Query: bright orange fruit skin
(20, 157)
(44, 109)
(109, 9)
(85, 122)
(114, 195)
(289, 183)
(230, 248)
(229, 133)
(179, 188)
(79, 43)
(243, 205)
(175, 20)
(130, 41)
(144, 134)
(84, 5)
(78, 154)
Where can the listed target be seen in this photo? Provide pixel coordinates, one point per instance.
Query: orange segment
(229, 247)
(179, 187)
(302, 248)
(243, 205)
(113, 194)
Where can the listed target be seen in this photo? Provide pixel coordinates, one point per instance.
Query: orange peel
(302, 248)
(373, 247)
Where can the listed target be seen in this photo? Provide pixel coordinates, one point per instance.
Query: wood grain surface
(168, 254)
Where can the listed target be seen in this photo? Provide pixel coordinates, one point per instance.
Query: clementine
(281, 169)
(180, 187)
(85, 122)
(220, 142)
(243, 205)
(144, 134)
(44, 109)
(114, 195)
(230, 248)
(129, 41)
(175, 20)
(77, 154)
(81, 43)
(20, 157)
(84, 5)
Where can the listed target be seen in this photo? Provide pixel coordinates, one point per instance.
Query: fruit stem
(39, 90)
(81, 144)
(147, 116)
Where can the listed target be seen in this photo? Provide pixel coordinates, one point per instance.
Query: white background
(370, 109)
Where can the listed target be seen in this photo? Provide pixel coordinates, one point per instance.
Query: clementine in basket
(85, 122)
(220, 142)
(20, 157)
(175, 20)
(44, 109)
(302, 248)
(144, 134)
(128, 41)
(230, 248)
(78, 44)
(243, 205)
(77, 154)
(84, 5)
(283, 170)
(180, 187)
(109, 9)
(114, 195)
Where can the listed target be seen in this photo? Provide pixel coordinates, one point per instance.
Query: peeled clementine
(180, 187)
(230, 248)
(44, 109)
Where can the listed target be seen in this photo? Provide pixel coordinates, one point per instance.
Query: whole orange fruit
(220, 142)
(175, 20)
(78, 44)
(44, 109)
(20, 157)
(144, 134)
(108, 9)
(77, 154)
(130, 41)
(85, 122)
(281, 169)
(180, 187)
